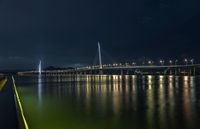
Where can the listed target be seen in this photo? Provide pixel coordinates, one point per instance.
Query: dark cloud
(66, 32)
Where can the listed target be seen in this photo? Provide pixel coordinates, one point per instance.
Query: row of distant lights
(187, 61)
(150, 62)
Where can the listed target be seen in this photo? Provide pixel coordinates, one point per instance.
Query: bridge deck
(142, 67)
(8, 115)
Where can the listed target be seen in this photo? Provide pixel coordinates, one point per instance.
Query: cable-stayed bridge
(123, 69)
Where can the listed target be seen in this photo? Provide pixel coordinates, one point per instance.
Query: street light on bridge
(192, 61)
(126, 64)
(162, 62)
(170, 62)
(186, 61)
(150, 62)
(133, 63)
(115, 64)
(176, 61)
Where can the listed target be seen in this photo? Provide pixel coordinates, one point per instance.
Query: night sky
(66, 32)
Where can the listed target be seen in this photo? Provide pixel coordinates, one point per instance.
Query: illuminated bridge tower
(100, 59)
(40, 68)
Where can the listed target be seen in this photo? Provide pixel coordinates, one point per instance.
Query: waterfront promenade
(8, 115)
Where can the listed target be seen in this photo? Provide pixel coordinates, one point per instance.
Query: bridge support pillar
(179, 71)
(100, 71)
(122, 77)
(122, 72)
(127, 72)
(170, 72)
(194, 71)
(191, 72)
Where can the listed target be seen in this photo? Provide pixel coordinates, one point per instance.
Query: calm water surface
(111, 102)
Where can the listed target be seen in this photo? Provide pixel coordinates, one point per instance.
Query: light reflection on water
(114, 102)
(39, 89)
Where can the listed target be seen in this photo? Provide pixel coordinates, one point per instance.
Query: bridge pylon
(100, 59)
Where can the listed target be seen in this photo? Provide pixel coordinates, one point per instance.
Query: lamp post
(170, 62)
(186, 61)
(192, 61)
(162, 62)
(150, 62)
(133, 63)
(176, 61)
